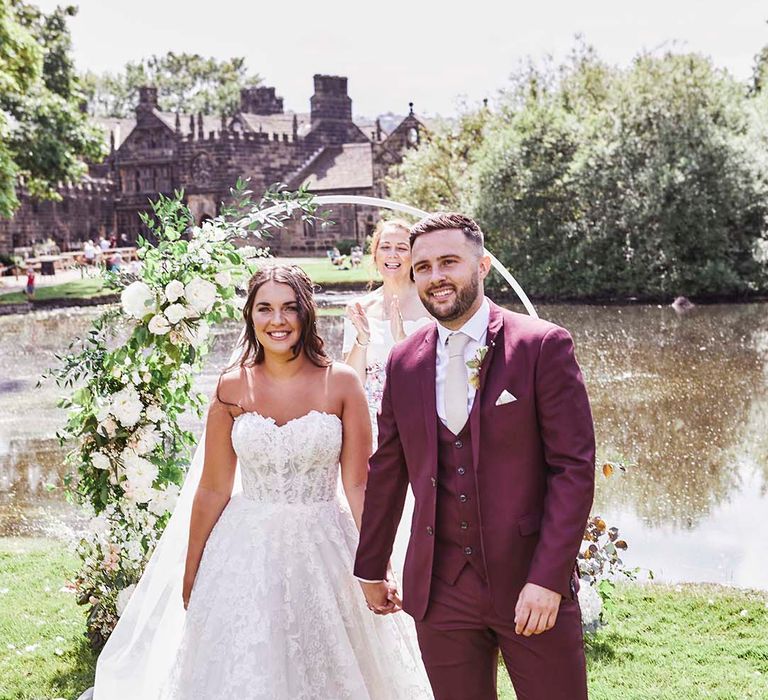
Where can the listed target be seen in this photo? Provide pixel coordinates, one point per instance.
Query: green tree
(438, 175)
(592, 181)
(185, 83)
(45, 134)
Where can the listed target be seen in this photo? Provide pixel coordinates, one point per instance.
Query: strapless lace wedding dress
(275, 613)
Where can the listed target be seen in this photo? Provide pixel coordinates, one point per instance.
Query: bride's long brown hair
(310, 342)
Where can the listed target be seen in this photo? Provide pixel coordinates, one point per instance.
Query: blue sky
(397, 51)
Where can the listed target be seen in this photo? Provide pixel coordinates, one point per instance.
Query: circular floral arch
(131, 378)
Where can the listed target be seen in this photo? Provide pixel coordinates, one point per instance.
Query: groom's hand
(379, 597)
(536, 610)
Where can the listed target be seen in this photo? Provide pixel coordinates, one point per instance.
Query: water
(681, 401)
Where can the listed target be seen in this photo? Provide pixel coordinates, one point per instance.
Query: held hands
(382, 598)
(536, 610)
(357, 315)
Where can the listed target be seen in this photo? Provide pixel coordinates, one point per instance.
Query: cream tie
(456, 383)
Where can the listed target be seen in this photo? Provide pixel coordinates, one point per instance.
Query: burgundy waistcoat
(457, 531)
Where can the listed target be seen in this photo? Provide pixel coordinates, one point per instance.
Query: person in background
(30, 288)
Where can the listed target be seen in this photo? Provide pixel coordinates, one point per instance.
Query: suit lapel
(426, 363)
(495, 323)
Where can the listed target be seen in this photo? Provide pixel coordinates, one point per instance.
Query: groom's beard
(465, 297)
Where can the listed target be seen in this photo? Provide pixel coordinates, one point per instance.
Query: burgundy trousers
(461, 636)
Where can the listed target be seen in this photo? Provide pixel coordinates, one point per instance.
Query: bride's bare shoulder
(231, 386)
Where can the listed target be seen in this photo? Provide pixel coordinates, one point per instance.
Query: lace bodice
(297, 462)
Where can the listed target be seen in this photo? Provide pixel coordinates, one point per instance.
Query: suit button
(461, 471)
(458, 444)
(467, 550)
(464, 525)
(463, 498)
(430, 531)
(434, 482)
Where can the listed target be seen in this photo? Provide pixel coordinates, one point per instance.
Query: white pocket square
(505, 397)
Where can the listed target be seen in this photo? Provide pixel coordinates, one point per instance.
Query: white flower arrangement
(134, 379)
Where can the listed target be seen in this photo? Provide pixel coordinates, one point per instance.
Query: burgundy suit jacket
(533, 462)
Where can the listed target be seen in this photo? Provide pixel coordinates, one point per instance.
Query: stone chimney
(260, 100)
(147, 98)
(330, 100)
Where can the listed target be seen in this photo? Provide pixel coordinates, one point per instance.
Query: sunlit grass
(662, 642)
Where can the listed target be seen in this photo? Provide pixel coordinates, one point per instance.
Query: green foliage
(597, 182)
(185, 83)
(130, 380)
(44, 135)
(438, 175)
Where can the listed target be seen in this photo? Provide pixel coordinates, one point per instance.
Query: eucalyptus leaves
(134, 375)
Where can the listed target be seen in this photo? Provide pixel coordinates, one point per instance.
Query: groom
(487, 417)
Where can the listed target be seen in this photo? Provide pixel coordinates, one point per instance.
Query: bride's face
(393, 256)
(275, 317)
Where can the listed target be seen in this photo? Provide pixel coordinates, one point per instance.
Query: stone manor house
(159, 152)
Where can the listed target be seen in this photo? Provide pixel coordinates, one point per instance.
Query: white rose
(138, 493)
(123, 597)
(147, 377)
(100, 460)
(155, 413)
(201, 295)
(591, 605)
(223, 278)
(138, 300)
(117, 372)
(159, 325)
(165, 500)
(127, 406)
(147, 438)
(175, 312)
(174, 290)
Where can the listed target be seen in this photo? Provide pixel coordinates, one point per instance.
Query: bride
(272, 609)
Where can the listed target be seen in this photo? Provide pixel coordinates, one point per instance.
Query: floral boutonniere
(474, 366)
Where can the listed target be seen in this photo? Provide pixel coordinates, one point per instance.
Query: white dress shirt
(477, 330)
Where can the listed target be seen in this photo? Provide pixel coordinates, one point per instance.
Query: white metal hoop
(407, 209)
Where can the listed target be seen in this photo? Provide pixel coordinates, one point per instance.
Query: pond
(680, 401)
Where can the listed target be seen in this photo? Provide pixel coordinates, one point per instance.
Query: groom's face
(449, 272)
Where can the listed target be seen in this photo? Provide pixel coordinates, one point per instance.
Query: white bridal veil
(140, 653)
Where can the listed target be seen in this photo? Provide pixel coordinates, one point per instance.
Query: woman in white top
(375, 323)
(386, 315)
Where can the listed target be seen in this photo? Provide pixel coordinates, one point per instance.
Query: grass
(324, 273)
(78, 289)
(662, 642)
(43, 653)
(320, 270)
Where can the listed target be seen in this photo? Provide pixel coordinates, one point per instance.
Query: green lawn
(79, 289)
(323, 272)
(661, 643)
(319, 269)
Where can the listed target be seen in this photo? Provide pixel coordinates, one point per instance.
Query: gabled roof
(349, 166)
(273, 123)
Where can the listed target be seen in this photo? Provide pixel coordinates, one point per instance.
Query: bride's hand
(356, 314)
(396, 320)
(186, 591)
